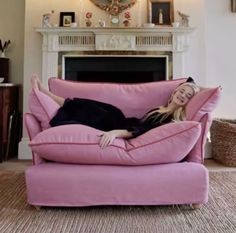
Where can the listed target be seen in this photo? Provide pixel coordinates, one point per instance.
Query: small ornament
(88, 17)
(115, 20)
(160, 16)
(127, 20)
(184, 19)
(4, 47)
(46, 20)
(102, 23)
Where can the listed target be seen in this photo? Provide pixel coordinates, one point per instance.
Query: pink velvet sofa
(163, 166)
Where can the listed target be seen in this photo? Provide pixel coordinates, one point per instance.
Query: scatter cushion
(80, 144)
(204, 102)
(42, 107)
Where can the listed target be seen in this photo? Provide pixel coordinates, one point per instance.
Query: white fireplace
(168, 42)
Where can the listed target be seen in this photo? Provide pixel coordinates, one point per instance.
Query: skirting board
(24, 151)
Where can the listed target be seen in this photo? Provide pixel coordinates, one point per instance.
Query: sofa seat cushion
(80, 144)
(57, 184)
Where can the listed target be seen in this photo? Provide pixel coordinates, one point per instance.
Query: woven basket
(223, 138)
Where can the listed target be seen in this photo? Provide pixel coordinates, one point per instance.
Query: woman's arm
(108, 137)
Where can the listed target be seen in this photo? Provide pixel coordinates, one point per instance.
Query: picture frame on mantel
(161, 12)
(66, 18)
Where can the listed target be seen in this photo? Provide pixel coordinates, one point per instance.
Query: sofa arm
(197, 153)
(33, 128)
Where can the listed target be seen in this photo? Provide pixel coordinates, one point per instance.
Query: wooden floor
(21, 165)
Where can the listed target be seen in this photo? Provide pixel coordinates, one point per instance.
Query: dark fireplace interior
(115, 69)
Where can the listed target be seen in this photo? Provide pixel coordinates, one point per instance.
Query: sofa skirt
(57, 184)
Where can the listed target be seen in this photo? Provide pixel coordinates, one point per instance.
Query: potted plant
(88, 16)
(4, 47)
(127, 17)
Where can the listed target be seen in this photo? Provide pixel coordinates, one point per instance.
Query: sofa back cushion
(80, 144)
(133, 99)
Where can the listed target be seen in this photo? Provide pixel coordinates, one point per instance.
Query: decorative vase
(126, 23)
(88, 23)
(160, 17)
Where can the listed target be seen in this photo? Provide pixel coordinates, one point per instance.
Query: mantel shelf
(116, 39)
(156, 29)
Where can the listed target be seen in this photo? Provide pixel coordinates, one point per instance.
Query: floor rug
(218, 215)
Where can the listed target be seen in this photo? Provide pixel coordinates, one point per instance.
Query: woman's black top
(104, 117)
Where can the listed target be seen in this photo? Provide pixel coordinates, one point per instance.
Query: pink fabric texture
(199, 109)
(55, 184)
(202, 103)
(133, 99)
(80, 144)
(197, 153)
(33, 128)
(42, 107)
(170, 176)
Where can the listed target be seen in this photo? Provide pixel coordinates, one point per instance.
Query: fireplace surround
(166, 44)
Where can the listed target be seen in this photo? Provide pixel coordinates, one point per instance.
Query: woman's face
(182, 95)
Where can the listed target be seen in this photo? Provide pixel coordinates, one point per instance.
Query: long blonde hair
(179, 113)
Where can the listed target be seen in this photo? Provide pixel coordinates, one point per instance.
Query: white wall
(195, 67)
(220, 54)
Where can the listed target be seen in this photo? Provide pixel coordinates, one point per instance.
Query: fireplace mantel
(160, 39)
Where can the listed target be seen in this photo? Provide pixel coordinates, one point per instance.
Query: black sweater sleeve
(138, 130)
(150, 123)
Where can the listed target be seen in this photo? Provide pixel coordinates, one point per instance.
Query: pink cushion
(136, 99)
(80, 144)
(133, 99)
(204, 102)
(42, 107)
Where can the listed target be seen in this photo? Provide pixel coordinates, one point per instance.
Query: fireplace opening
(115, 69)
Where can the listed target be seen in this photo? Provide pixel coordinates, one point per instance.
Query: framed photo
(66, 18)
(160, 12)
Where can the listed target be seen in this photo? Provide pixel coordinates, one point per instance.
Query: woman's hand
(108, 137)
